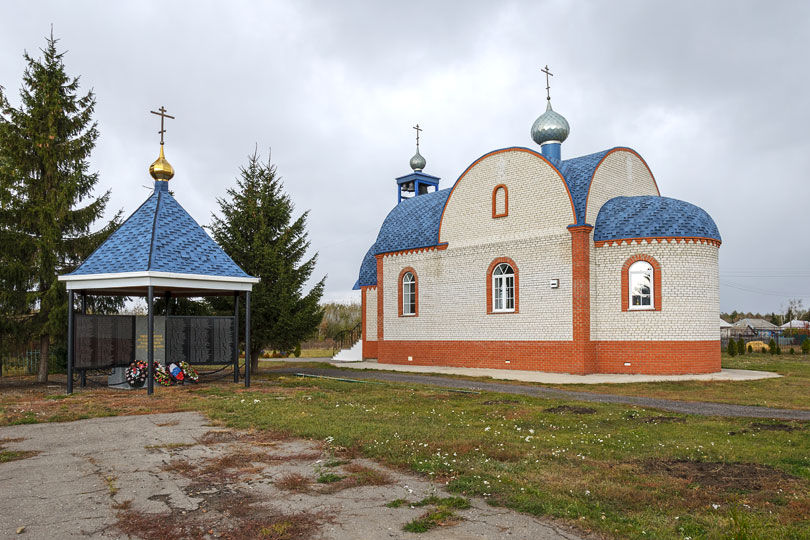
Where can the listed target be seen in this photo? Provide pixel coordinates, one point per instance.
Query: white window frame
(408, 295)
(502, 283)
(637, 270)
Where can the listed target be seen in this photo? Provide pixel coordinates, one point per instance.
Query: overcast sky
(712, 94)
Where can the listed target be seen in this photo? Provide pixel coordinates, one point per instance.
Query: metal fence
(27, 363)
(782, 341)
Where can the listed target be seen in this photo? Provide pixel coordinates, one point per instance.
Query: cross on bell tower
(161, 170)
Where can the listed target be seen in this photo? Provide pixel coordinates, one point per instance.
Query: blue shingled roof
(578, 173)
(652, 216)
(413, 223)
(160, 236)
(368, 269)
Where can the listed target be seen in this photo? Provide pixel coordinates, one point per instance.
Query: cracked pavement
(89, 472)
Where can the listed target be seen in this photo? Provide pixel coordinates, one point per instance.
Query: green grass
(790, 391)
(441, 514)
(329, 478)
(14, 455)
(623, 471)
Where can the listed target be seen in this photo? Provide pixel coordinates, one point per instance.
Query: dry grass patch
(294, 482)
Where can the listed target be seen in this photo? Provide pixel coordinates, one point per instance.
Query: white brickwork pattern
(539, 203)
(453, 294)
(622, 173)
(690, 294)
(371, 314)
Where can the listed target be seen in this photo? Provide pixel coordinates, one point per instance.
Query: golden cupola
(161, 169)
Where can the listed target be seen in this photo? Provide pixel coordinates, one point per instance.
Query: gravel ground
(173, 476)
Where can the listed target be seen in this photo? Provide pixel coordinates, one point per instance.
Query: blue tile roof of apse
(368, 269)
(652, 216)
(413, 223)
(160, 236)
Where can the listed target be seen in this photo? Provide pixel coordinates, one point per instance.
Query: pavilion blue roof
(160, 236)
(650, 217)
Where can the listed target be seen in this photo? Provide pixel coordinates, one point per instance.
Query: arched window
(503, 288)
(641, 285)
(408, 293)
(500, 201)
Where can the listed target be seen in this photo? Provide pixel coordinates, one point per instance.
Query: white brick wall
(452, 292)
(622, 173)
(371, 314)
(690, 294)
(538, 201)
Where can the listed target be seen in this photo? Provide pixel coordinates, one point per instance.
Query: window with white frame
(640, 281)
(503, 288)
(408, 294)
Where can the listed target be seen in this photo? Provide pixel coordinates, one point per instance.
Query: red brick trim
(505, 212)
(660, 240)
(512, 149)
(491, 269)
(645, 357)
(416, 291)
(380, 289)
(626, 282)
(584, 353)
(439, 247)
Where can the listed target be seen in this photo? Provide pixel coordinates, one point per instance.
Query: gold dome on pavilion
(161, 169)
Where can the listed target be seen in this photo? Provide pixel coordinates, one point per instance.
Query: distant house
(754, 328)
(725, 329)
(797, 324)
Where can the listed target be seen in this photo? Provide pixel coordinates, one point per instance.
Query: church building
(534, 262)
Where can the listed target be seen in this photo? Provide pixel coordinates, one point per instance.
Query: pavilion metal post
(236, 337)
(84, 312)
(150, 337)
(70, 344)
(247, 339)
(168, 297)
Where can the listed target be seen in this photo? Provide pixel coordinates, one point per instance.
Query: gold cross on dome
(162, 114)
(418, 129)
(548, 87)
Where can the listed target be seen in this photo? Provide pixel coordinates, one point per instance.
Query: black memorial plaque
(104, 341)
(200, 340)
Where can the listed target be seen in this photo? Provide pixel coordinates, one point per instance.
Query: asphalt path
(686, 407)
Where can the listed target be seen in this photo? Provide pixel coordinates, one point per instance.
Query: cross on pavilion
(163, 116)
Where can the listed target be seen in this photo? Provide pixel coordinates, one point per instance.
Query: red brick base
(645, 357)
(369, 349)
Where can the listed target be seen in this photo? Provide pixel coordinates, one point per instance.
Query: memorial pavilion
(158, 251)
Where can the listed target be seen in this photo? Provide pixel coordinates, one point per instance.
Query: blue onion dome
(418, 162)
(550, 127)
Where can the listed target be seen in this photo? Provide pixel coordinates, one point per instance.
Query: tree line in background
(47, 209)
(794, 310)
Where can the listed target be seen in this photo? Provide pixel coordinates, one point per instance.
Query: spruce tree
(732, 348)
(258, 232)
(45, 145)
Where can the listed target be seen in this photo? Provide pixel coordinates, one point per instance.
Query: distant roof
(724, 324)
(756, 324)
(651, 216)
(796, 323)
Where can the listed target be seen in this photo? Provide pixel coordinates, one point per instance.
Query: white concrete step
(355, 354)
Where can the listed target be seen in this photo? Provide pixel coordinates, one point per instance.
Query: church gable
(621, 172)
(507, 194)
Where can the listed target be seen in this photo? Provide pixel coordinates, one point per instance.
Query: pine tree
(741, 346)
(732, 348)
(257, 231)
(45, 145)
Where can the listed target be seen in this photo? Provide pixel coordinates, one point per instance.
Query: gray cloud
(711, 94)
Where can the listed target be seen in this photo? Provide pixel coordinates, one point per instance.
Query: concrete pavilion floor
(559, 378)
